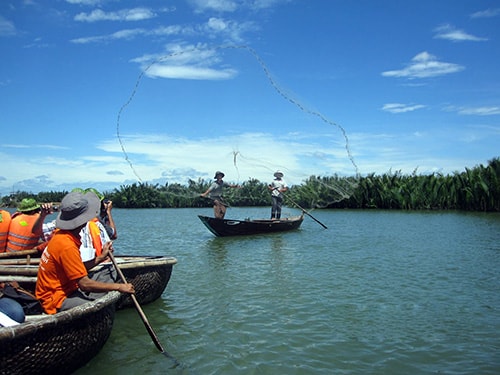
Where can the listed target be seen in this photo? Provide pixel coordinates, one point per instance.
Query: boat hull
(149, 275)
(228, 227)
(59, 343)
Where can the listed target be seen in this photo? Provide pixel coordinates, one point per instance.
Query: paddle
(139, 310)
(307, 213)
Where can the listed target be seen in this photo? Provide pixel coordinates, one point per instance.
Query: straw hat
(278, 174)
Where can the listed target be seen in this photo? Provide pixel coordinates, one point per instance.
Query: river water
(378, 292)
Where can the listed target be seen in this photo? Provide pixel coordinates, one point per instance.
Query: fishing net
(321, 190)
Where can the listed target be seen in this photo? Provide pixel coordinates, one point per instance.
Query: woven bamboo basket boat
(149, 275)
(59, 343)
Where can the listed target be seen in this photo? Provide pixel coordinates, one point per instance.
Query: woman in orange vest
(4, 229)
(23, 234)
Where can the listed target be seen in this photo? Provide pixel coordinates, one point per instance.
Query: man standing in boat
(215, 190)
(277, 188)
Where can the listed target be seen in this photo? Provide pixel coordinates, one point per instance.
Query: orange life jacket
(4, 229)
(95, 234)
(20, 235)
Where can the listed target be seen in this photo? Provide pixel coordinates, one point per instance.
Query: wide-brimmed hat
(278, 174)
(28, 204)
(219, 173)
(77, 209)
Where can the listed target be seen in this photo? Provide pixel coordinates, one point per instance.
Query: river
(378, 292)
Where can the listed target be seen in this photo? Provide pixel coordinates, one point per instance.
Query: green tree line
(475, 189)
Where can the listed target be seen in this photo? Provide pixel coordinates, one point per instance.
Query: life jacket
(95, 234)
(4, 229)
(20, 235)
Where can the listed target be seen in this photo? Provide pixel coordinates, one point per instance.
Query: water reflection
(216, 250)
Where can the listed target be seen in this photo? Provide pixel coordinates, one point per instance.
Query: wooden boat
(59, 343)
(149, 275)
(230, 227)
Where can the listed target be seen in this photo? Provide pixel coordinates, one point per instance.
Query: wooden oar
(307, 213)
(139, 310)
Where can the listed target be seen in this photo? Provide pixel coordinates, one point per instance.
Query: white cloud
(226, 28)
(189, 72)
(160, 158)
(448, 32)
(477, 111)
(7, 27)
(129, 34)
(213, 28)
(401, 108)
(84, 2)
(41, 146)
(151, 153)
(214, 5)
(424, 65)
(486, 13)
(229, 6)
(135, 14)
(186, 62)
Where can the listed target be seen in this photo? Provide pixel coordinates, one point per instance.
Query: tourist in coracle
(277, 187)
(23, 233)
(4, 229)
(63, 280)
(105, 216)
(11, 311)
(215, 193)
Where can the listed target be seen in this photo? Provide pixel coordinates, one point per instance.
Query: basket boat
(58, 343)
(149, 275)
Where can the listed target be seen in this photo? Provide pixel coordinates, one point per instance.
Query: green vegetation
(476, 189)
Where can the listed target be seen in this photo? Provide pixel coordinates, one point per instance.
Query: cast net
(322, 190)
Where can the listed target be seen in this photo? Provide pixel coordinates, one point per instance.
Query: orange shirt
(60, 268)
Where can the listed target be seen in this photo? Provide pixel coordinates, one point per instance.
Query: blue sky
(106, 93)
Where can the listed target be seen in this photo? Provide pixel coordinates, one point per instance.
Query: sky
(108, 93)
